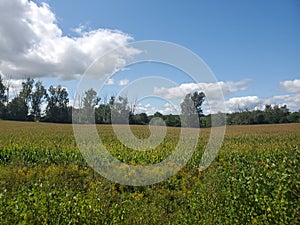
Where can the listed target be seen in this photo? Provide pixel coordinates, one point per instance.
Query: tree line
(270, 115)
(27, 106)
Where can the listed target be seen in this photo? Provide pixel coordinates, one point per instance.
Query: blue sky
(256, 43)
(257, 39)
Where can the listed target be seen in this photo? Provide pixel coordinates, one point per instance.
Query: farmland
(255, 179)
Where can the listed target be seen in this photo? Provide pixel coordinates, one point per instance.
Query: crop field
(44, 179)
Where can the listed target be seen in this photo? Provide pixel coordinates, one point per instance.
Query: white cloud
(291, 100)
(243, 103)
(147, 108)
(150, 109)
(15, 86)
(123, 82)
(254, 102)
(210, 89)
(233, 104)
(291, 86)
(170, 109)
(32, 44)
(110, 81)
(80, 29)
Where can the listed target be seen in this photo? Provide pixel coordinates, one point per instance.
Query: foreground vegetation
(255, 179)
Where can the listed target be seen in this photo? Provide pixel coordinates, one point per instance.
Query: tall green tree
(103, 114)
(38, 97)
(3, 98)
(17, 109)
(191, 110)
(3, 89)
(89, 102)
(26, 92)
(120, 110)
(198, 99)
(90, 99)
(57, 109)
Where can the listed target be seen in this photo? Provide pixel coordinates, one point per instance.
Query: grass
(255, 179)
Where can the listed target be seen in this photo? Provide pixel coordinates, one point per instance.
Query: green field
(44, 179)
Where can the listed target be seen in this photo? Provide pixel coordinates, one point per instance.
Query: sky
(252, 47)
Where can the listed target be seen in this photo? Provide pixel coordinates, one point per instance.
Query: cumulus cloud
(214, 101)
(291, 100)
(170, 109)
(232, 104)
(254, 102)
(210, 89)
(147, 108)
(32, 44)
(110, 81)
(123, 82)
(150, 109)
(291, 86)
(243, 103)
